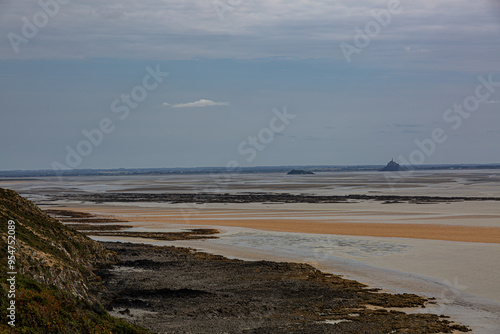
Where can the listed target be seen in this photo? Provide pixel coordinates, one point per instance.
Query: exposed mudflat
(179, 290)
(258, 198)
(422, 232)
(95, 225)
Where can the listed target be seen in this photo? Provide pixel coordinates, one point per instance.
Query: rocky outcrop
(49, 252)
(300, 172)
(52, 287)
(195, 292)
(392, 166)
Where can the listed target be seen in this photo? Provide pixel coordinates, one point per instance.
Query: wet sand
(284, 218)
(445, 250)
(175, 290)
(436, 183)
(442, 261)
(454, 278)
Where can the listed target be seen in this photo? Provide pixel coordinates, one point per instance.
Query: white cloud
(198, 104)
(165, 104)
(490, 101)
(435, 31)
(187, 29)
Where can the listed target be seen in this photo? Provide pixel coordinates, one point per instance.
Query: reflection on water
(313, 245)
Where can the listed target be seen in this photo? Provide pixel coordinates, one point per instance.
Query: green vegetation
(41, 308)
(55, 284)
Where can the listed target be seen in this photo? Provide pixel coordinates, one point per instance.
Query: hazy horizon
(277, 167)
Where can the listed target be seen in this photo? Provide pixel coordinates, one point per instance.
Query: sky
(182, 83)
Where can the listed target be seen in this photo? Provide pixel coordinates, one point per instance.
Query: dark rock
(300, 172)
(194, 292)
(393, 166)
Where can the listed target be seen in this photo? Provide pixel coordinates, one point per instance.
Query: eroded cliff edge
(56, 290)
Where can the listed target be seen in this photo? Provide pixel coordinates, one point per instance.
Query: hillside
(56, 290)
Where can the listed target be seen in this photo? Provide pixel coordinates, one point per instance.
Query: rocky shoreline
(180, 290)
(94, 225)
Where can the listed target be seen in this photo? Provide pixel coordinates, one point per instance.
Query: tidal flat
(431, 233)
(179, 290)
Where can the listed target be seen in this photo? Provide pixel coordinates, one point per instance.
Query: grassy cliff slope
(55, 287)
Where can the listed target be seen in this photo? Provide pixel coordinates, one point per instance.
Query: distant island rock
(300, 172)
(392, 166)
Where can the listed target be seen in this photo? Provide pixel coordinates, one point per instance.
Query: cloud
(407, 125)
(197, 104)
(490, 101)
(188, 29)
(165, 104)
(108, 13)
(318, 138)
(403, 128)
(420, 50)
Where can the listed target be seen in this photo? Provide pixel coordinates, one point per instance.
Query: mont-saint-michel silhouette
(392, 166)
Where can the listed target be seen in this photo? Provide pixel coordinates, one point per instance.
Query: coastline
(171, 289)
(431, 267)
(480, 313)
(447, 260)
